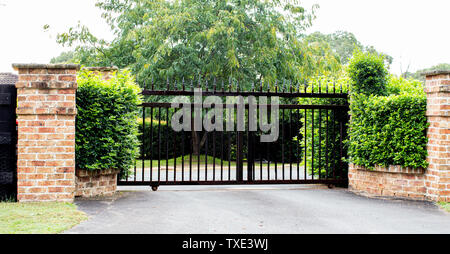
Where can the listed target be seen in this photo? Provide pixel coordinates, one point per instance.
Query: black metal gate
(8, 140)
(309, 149)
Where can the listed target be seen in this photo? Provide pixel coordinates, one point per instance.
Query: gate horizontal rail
(280, 106)
(262, 182)
(255, 93)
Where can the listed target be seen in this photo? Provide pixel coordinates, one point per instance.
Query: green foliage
(367, 73)
(106, 126)
(445, 206)
(88, 48)
(323, 125)
(388, 125)
(156, 132)
(343, 44)
(39, 218)
(321, 58)
(63, 58)
(418, 74)
(246, 40)
(390, 130)
(398, 85)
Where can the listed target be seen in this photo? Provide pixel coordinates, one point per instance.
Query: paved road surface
(257, 209)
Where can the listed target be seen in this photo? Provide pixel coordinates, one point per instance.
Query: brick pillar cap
(435, 72)
(18, 66)
(101, 69)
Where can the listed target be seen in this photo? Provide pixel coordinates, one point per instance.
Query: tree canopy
(248, 40)
(344, 45)
(418, 74)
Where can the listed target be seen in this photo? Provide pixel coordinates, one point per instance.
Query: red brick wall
(46, 132)
(97, 183)
(437, 177)
(404, 183)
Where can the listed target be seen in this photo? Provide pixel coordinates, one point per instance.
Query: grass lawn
(179, 161)
(38, 218)
(445, 206)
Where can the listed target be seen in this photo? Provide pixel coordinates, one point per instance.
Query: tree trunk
(195, 143)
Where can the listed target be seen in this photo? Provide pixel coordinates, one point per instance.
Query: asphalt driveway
(257, 209)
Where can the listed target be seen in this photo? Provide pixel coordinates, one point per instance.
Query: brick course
(382, 181)
(95, 183)
(46, 113)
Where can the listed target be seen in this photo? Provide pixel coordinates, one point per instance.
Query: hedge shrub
(389, 130)
(106, 125)
(154, 131)
(367, 73)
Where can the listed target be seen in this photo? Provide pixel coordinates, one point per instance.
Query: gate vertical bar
(239, 156)
(167, 142)
(151, 145)
(282, 143)
(320, 144)
(312, 144)
(143, 144)
(159, 145)
(290, 143)
(250, 157)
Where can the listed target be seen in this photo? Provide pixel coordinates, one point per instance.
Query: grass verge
(195, 160)
(38, 218)
(179, 161)
(445, 206)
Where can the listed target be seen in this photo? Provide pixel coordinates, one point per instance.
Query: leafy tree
(418, 74)
(64, 57)
(249, 40)
(321, 58)
(344, 44)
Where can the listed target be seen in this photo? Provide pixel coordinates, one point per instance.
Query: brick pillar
(437, 178)
(46, 113)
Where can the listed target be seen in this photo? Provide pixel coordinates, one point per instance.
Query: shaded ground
(257, 209)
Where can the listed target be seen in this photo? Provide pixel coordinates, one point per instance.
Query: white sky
(413, 32)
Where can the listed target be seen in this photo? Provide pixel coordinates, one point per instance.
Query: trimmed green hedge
(106, 125)
(163, 131)
(368, 74)
(389, 130)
